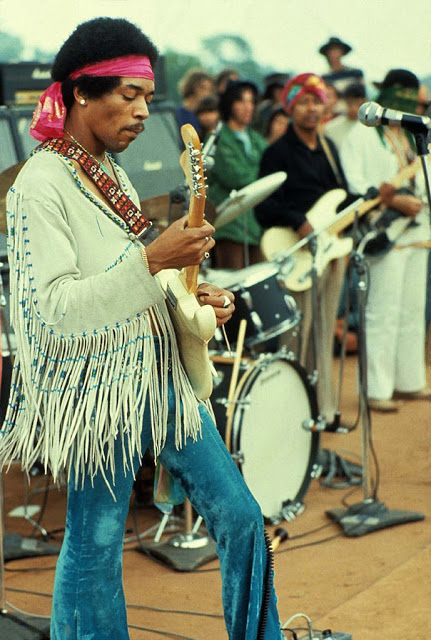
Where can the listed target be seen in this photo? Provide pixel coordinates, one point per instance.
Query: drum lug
(312, 378)
(288, 355)
(255, 318)
(245, 403)
(281, 282)
(238, 457)
(246, 296)
(316, 470)
(290, 509)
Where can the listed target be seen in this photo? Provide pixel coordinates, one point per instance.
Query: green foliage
(176, 65)
(11, 47)
(217, 52)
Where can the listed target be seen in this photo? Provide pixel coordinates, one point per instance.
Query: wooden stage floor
(375, 587)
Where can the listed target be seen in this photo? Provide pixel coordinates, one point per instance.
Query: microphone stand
(370, 514)
(314, 376)
(422, 148)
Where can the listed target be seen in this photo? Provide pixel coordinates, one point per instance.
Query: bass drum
(265, 436)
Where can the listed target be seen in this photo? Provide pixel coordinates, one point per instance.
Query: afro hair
(101, 39)
(94, 41)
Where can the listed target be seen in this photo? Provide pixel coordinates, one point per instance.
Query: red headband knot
(50, 113)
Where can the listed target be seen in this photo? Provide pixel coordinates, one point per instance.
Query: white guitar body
(329, 246)
(194, 328)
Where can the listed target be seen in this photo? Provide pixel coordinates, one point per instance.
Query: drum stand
(320, 423)
(12, 623)
(184, 551)
(370, 514)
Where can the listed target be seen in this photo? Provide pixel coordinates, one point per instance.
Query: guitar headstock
(192, 163)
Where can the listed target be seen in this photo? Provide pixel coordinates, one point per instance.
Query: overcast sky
(284, 34)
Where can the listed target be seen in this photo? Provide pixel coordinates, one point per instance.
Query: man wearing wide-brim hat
(339, 75)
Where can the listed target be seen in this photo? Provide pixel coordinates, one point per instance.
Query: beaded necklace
(99, 162)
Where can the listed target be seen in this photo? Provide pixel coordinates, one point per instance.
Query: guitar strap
(126, 210)
(331, 160)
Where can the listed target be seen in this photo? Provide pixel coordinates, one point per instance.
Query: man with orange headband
(313, 168)
(97, 377)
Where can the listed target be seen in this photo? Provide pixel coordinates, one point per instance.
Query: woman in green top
(236, 163)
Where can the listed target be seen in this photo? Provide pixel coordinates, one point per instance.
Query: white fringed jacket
(82, 306)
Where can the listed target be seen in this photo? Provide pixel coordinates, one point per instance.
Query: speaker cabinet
(23, 118)
(10, 146)
(152, 160)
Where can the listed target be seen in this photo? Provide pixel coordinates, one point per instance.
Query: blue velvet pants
(88, 602)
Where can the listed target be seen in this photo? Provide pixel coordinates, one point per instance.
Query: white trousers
(395, 323)
(329, 288)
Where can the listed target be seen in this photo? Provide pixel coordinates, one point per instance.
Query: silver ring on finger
(226, 302)
(206, 255)
(207, 239)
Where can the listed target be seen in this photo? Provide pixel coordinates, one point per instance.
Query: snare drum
(262, 299)
(266, 438)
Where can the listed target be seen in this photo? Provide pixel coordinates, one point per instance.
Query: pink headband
(50, 113)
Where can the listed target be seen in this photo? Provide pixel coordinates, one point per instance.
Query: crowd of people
(307, 126)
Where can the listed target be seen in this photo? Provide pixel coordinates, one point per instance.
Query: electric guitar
(194, 324)
(323, 215)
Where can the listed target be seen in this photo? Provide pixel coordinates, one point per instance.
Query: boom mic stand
(370, 514)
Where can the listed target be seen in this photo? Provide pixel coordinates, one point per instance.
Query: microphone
(208, 148)
(372, 114)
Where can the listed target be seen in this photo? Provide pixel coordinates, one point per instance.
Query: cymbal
(7, 178)
(157, 210)
(241, 201)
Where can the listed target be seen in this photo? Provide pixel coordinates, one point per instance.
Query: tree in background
(217, 53)
(11, 48)
(176, 66)
(227, 50)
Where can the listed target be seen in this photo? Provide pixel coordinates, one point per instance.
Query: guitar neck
(349, 217)
(195, 219)
(192, 165)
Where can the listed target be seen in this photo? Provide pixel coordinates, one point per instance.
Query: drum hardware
(238, 202)
(261, 299)
(314, 425)
(291, 509)
(225, 402)
(238, 457)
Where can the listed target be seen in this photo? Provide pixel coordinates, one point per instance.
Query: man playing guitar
(98, 375)
(313, 169)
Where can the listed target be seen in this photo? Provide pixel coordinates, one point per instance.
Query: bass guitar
(194, 324)
(323, 215)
